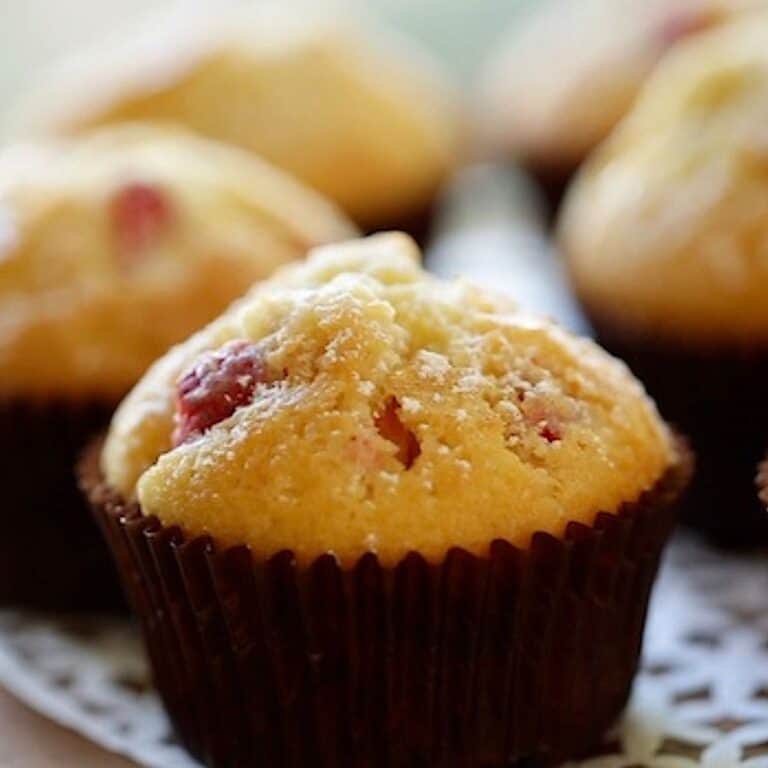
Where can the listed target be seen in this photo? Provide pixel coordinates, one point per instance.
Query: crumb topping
(355, 399)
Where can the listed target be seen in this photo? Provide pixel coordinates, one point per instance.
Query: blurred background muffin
(568, 72)
(364, 119)
(385, 472)
(666, 234)
(114, 246)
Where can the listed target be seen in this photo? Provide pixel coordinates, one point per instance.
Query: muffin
(568, 72)
(366, 123)
(665, 232)
(368, 517)
(113, 246)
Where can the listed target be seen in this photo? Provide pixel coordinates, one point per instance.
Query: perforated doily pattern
(700, 700)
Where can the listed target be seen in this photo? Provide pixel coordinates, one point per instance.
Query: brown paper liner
(51, 554)
(716, 397)
(761, 481)
(522, 657)
(554, 182)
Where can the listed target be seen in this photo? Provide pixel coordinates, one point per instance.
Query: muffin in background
(666, 234)
(114, 246)
(364, 120)
(567, 72)
(393, 514)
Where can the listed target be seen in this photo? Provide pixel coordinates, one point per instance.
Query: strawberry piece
(141, 215)
(391, 428)
(217, 385)
(539, 413)
(684, 23)
(550, 432)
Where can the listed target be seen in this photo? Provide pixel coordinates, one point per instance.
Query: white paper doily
(701, 699)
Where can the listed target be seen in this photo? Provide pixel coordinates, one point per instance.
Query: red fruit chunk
(550, 432)
(141, 215)
(539, 413)
(683, 23)
(217, 385)
(391, 428)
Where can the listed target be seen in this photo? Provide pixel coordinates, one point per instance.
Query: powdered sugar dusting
(366, 388)
(471, 381)
(433, 365)
(410, 405)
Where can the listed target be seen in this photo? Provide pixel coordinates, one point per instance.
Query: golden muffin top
(118, 244)
(354, 404)
(667, 226)
(372, 127)
(568, 72)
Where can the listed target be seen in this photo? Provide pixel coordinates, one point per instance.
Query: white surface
(702, 699)
(491, 228)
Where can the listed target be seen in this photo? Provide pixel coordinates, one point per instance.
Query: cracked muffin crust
(354, 403)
